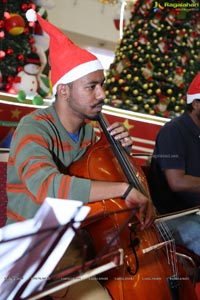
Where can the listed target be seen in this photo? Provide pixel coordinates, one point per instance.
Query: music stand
(30, 250)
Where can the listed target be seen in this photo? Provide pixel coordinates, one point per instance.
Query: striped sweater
(41, 150)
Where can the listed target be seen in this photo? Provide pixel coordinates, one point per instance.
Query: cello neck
(121, 156)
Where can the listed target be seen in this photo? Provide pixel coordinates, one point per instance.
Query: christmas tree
(156, 59)
(18, 47)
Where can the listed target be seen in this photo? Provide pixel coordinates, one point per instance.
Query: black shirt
(177, 147)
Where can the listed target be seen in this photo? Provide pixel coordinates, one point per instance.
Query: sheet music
(20, 258)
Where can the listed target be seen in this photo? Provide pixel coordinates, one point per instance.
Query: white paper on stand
(20, 258)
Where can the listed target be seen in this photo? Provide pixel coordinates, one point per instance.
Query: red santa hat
(68, 61)
(194, 89)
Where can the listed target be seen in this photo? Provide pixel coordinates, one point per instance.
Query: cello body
(143, 275)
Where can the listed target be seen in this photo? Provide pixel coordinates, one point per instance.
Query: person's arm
(180, 182)
(108, 190)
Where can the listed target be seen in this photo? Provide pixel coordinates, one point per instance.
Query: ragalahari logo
(175, 5)
(157, 6)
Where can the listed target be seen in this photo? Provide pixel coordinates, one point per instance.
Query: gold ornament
(152, 112)
(169, 91)
(134, 108)
(121, 81)
(129, 76)
(145, 86)
(106, 101)
(146, 106)
(158, 91)
(136, 78)
(182, 101)
(153, 101)
(127, 101)
(126, 88)
(139, 98)
(114, 90)
(135, 92)
(149, 92)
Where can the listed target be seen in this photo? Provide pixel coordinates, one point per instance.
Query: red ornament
(14, 24)
(31, 5)
(2, 34)
(26, 31)
(1, 23)
(34, 49)
(31, 41)
(9, 51)
(9, 79)
(19, 69)
(2, 54)
(8, 86)
(20, 57)
(24, 7)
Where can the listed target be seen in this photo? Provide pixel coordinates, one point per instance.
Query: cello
(150, 269)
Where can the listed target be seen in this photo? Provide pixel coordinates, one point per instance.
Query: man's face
(87, 95)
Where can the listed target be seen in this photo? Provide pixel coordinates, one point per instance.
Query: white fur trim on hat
(78, 72)
(191, 98)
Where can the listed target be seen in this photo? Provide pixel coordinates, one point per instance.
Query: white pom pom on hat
(194, 89)
(31, 15)
(68, 61)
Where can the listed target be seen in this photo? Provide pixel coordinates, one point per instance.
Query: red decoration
(2, 54)
(19, 69)
(20, 57)
(8, 86)
(31, 41)
(24, 7)
(9, 51)
(14, 24)
(117, 23)
(26, 31)
(9, 79)
(1, 23)
(2, 34)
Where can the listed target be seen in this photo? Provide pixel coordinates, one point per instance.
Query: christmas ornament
(26, 81)
(2, 54)
(14, 24)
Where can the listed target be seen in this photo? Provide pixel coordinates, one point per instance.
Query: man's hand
(147, 212)
(120, 132)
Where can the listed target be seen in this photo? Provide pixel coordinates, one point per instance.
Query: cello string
(122, 158)
(171, 253)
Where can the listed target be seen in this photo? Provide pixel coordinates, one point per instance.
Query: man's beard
(94, 118)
